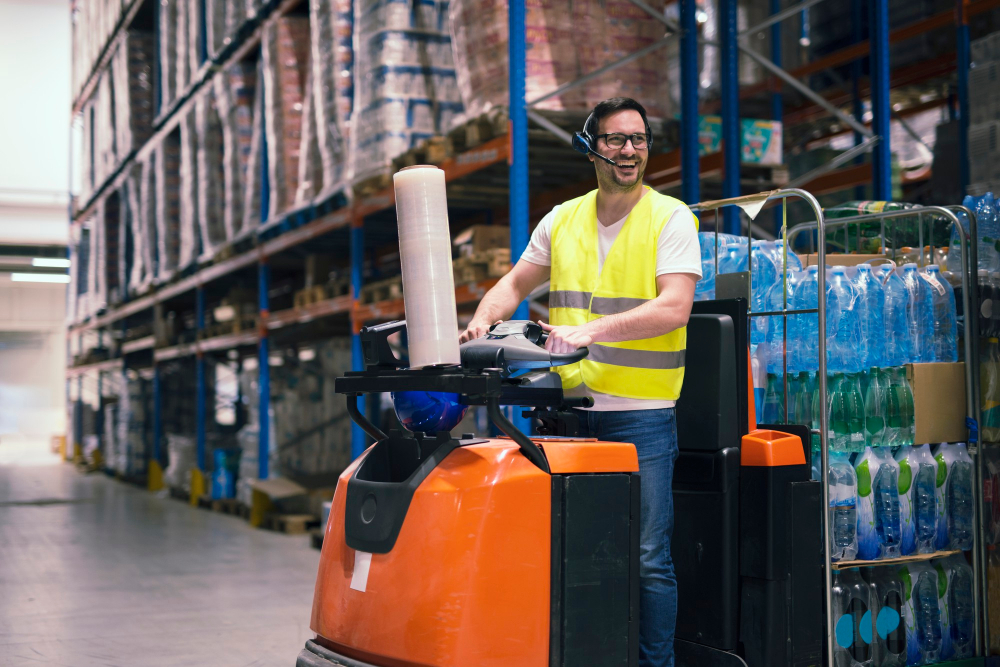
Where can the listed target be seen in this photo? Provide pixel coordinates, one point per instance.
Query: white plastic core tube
(425, 255)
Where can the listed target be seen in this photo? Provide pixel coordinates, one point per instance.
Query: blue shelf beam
(263, 373)
(690, 169)
(963, 60)
(201, 388)
(881, 154)
(518, 165)
(777, 102)
(157, 415)
(730, 93)
(359, 440)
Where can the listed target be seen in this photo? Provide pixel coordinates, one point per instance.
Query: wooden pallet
(310, 295)
(290, 524)
(372, 185)
(221, 505)
(479, 130)
(383, 290)
(180, 494)
(338, 287)
(492, 263)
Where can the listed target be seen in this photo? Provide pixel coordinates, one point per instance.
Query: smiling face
(631, 162)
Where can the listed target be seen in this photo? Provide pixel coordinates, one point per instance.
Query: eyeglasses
(617, 140)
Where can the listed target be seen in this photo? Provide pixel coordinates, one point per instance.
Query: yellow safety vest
(649, 368)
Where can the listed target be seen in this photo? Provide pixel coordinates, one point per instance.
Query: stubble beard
(608, 179)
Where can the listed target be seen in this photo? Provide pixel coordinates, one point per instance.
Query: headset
(584, 141)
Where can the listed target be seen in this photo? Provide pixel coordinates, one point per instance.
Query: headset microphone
(583, 146)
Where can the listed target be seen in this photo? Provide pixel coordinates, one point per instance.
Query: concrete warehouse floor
(98, 572)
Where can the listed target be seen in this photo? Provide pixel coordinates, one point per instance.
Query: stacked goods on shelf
(79, 270)
(137, 275)
(147, 220)
(310, 172)
(132, 82)
(406, 86)
(96, 278)
(190, 236)
(556, 55)
(222, 19)
(167, 22)
(94, 22)
(181, 455)
(133, 426)
(332, 65)
(984, 110)
(483, 252)
(167, 198)
(311, 424)
(236, 94)
(109, 280)
(285, 60)
(210, 167)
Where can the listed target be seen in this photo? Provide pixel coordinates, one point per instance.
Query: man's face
(631, 162)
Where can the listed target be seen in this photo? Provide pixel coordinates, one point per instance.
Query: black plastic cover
(705, 546)
(708, 408)
(381, 488)
(595, 571)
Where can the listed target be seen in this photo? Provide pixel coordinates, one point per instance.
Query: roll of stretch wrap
(425, 255)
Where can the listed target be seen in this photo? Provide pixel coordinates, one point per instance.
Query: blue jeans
(654, 434)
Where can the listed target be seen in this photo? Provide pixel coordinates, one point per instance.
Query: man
(623, 262)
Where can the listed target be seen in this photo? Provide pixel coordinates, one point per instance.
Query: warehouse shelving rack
(346, 223)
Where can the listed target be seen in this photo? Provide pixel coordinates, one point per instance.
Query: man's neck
(613, 206)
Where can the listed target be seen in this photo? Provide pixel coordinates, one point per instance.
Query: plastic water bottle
(774, 403)
(879, 529)
(897, 341)
(845, 347)
(985, 302)
(899, 408)
(961, 606)
(871, 315)
(924, 498)
(843, 508)
(875, 405)
(734, 260)
(705, 289)
(889, 645)
(854, 623)
(944, 334)
(776, 339)
(955, 478)
(918, 315)
(995, 315)
(847, 414)
(928, 613)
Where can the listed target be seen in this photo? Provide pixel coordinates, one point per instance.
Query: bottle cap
(909, 265)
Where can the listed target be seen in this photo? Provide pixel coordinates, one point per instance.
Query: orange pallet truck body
(444, 552)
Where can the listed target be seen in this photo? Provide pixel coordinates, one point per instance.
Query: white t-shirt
(677, 251)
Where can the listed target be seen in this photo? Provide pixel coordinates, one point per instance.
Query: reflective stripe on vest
(650, 368)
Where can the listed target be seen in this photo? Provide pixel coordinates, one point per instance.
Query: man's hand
(566, 339)
(475, 330)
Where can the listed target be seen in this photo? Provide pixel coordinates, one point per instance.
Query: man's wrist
(594, 329)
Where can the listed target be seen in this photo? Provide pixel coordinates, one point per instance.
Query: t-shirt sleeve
(539, 250)
(678, 250)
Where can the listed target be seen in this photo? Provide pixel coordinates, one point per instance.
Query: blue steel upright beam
(730, 93)
(881, 155)
(201, 389)
(963, 58)
(777, 102)
(690, 169)
(518, 159)
(857, 107)
(157, 414)
(263, 371)
(358, 438)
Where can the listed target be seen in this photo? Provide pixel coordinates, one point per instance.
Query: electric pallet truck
(524, 551)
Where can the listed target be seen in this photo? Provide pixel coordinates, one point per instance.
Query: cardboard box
(287, 496)
(839, 259)
(938, 401)
(480, 238)
(760, 140)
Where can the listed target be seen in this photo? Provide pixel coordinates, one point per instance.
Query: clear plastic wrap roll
(425, 255)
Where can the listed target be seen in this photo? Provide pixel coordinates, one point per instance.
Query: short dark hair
(613, 105)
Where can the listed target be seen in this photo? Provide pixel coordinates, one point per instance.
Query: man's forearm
(499, 303)
(651, 319)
